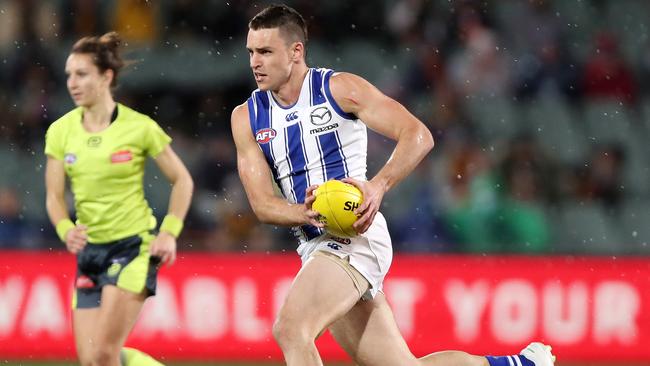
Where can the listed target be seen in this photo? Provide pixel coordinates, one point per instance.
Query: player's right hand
(311, 215)
(76, 239)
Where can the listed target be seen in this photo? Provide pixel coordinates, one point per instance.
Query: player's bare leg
(321, 293)
(369, 334)
(453, 358)
(117, 315)
(84, 323)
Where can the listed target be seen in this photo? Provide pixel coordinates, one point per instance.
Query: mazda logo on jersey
(320, 116)
(265, 135)
(291, 116)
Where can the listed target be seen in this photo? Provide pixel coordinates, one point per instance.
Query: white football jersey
(309, 142)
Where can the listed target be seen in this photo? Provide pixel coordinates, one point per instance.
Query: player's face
(271, 58)
(86, 84)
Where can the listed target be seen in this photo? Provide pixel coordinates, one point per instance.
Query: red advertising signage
(221, 307)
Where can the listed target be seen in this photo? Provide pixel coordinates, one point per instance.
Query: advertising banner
(222, 306)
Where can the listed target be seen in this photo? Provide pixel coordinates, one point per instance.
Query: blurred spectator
(521, 224)
(416, 217)
(644, 69)
(535, 25)
(405, 20)
(480, 67)
(14, 231)
(187, 19)
(524, 153)
(550, 72)
(11, 25)
(33, 102)
(46, 21)
(601, 178)
(449, 119)
(473, 200)
(85, 18)
(217, 163)
(425, 73)
(136, 20)
(464, 196)
(332, 22)
(606, 74)
(546, 66)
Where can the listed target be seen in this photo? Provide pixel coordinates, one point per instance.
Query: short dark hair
(104, 51)
(292, 25)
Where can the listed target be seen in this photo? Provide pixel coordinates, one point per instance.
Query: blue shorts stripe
(311, 231)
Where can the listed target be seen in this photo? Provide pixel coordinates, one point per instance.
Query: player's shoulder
(240, 123)
(240, 111)
(344, 78)
(346, 85)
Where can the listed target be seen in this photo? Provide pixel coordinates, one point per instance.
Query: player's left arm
(164, 246)
(389, 118)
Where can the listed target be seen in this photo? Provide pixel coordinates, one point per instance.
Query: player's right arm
(75, 236)
(255, 175)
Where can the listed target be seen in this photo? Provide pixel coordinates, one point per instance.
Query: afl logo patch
(70, 158)
(320, 116)
(121, 156)
(265, 135)
(94, 141)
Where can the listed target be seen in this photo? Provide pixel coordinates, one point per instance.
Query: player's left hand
(373, 193)
(164, 247)
(311, 215)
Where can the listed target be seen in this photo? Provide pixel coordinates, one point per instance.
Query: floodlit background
(540, 111)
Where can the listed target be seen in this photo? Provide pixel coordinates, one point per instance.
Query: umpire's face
(86, 84)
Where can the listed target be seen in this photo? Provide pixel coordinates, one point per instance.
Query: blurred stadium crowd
(540, 111)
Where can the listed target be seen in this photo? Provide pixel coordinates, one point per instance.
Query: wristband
(62, 228)
(172, 225)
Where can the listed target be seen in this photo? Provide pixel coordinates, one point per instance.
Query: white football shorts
(370, 253)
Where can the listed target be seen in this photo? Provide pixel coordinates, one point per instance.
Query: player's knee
(288, 332)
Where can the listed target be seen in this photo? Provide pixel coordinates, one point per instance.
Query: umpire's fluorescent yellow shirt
(106, 170)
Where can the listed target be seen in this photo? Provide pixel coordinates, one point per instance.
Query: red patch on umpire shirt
(121, 156)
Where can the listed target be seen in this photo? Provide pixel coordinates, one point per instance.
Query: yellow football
(336, 202)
